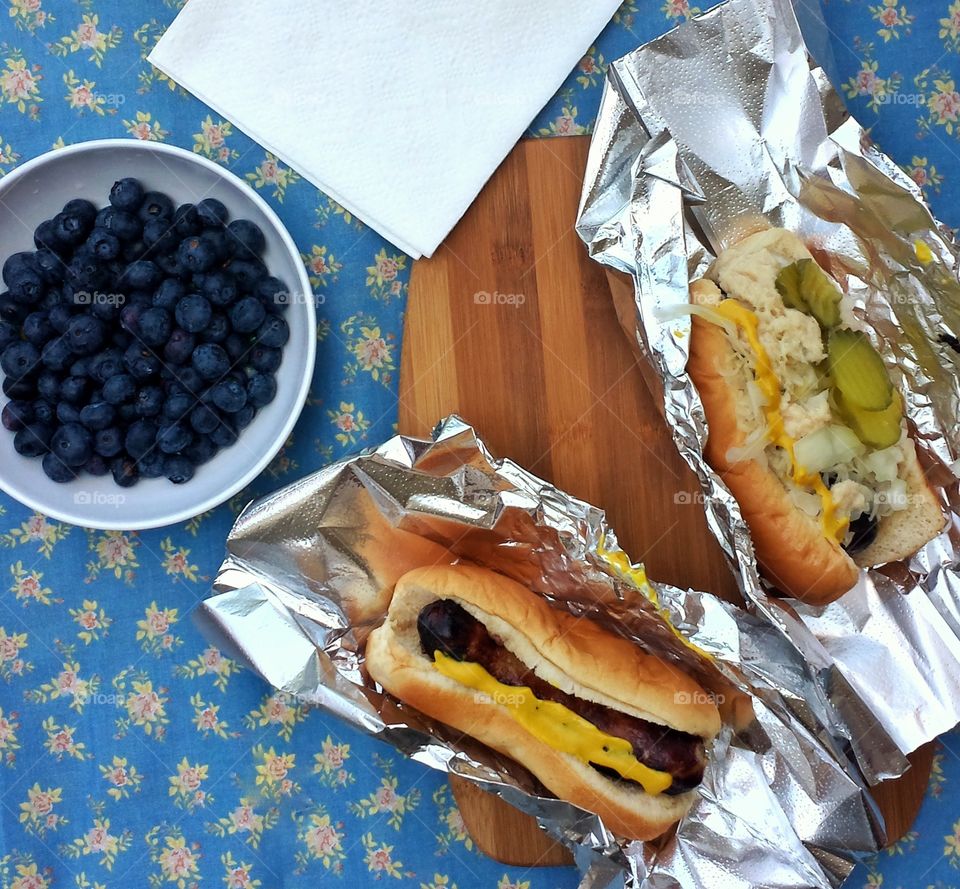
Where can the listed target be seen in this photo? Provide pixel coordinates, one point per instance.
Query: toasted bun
(573, 654)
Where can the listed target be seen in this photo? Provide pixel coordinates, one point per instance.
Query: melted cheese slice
(556, 725)
(834, 525)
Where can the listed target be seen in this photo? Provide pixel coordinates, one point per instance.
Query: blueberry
(155, 206)
(119, 388)
(179, 347)
(83, 209)
(106, 364)
(273, 292)
(125, 226)
(244, 238)
(217, 329)
(155, 326)
(81, 367)
(107, 309)
(56, 470)
(210, 361)
(57, 354)
(141, 298)
(244, 417)
(247, 315)
(72, 443)
(204, 419)
(274, 332)
(130, 317)
(45, 235)
(217, 240)
(10, 310)
(50, 266)
(265, 359)
(177, 406)
(169, 264)
(103, 244)
(248, 272)
(159, 236)
(197, 253)
(37, 329)
(212, 213)
(24, 388)
(67, 413)
(97, 415)
(224, 435)
(193, 313)
(169, 293)
(133, 252)
(149, 401)
(24, 261)
(59, 317)
(27, 286)
(142, 274)
(186, 222)
(261, 389)
(16, 415)
(151, 465)
(188, 380)
(178, 469)
(200, 450)
(44, 412)
(141, 362)
(19, 359)
(73, 389)
(84, 273)
(124, 472)
(173, 438)
(126, 194)
(70, 229)
(229, 395)
(96, 465)
(85, 334)
(108, 442)
(33, 440)
(8, 334)
(140, 438)
(219, 288)
(236, 346)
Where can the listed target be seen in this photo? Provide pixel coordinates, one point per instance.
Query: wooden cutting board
(512, 326)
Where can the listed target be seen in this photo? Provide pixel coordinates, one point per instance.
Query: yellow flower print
(211, 141)
(11, 662)
(185, 785)
(36, 813)
(176, 560)
(237, 875)
(116, 552)
(868, 83)
(565, 124)
(271, 173)
(37, 529)
(206, 718)
(950, 27)
(679, 9)
(371, 350)
(28, 586)
(211, 662)
(20, 84)
(329, 208)
(177, 859)
(29, 877)
(591, 67)
(322, 840)
(329, 764)
(943, 104)
(452, 828)
(893, 19)
(122, 778)
(28, 15)
(92, 620)
(82, 95)
(8, 157)
(246, 822)
(146, 707)
(279, 709)
(382, 275)
(60, 741)
(8, 737)
(273, 773)
(154, 631)
(439, 881)
(624, 16)
(68, 685)
(379, 858)
(506, 883)
(351, 424)
(88, 36)
(321, 266)
(384, 800)
(145, 128)
(951, 846)
(98, 840)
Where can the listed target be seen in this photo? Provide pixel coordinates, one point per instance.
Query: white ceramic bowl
(37, 190)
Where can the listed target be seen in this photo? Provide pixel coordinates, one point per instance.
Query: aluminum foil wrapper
(308, 575)
(725, 124)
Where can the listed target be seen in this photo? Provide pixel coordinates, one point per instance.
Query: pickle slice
(820, 294)
(878, 429)
(789, 285)
(858, 371)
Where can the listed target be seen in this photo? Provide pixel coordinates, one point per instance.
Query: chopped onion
(805, 501)
(884, 464)
(895, 497)
(751, 449)
(672, 313)
(828, 446)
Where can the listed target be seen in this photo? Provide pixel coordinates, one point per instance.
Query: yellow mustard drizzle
(834, 526)
(556, 725)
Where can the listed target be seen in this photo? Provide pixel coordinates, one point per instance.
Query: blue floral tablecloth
(134, 753)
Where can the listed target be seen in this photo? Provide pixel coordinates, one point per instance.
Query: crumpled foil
(781, 804)
(725, 124)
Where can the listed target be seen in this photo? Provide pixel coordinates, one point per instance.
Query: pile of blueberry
(138, 339)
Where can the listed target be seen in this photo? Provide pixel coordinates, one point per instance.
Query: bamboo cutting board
(512, 326)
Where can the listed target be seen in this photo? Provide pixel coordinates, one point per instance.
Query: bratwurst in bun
(600, 723)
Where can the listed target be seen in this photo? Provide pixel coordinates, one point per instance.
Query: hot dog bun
(791, 547)
(574, 655)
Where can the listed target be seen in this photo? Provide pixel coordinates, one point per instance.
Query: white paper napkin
(399, 111)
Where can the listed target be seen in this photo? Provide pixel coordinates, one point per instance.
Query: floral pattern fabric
(134, 753)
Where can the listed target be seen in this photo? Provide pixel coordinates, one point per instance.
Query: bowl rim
(24, 495)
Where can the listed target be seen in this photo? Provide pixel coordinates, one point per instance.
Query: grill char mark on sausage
(445, 626)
